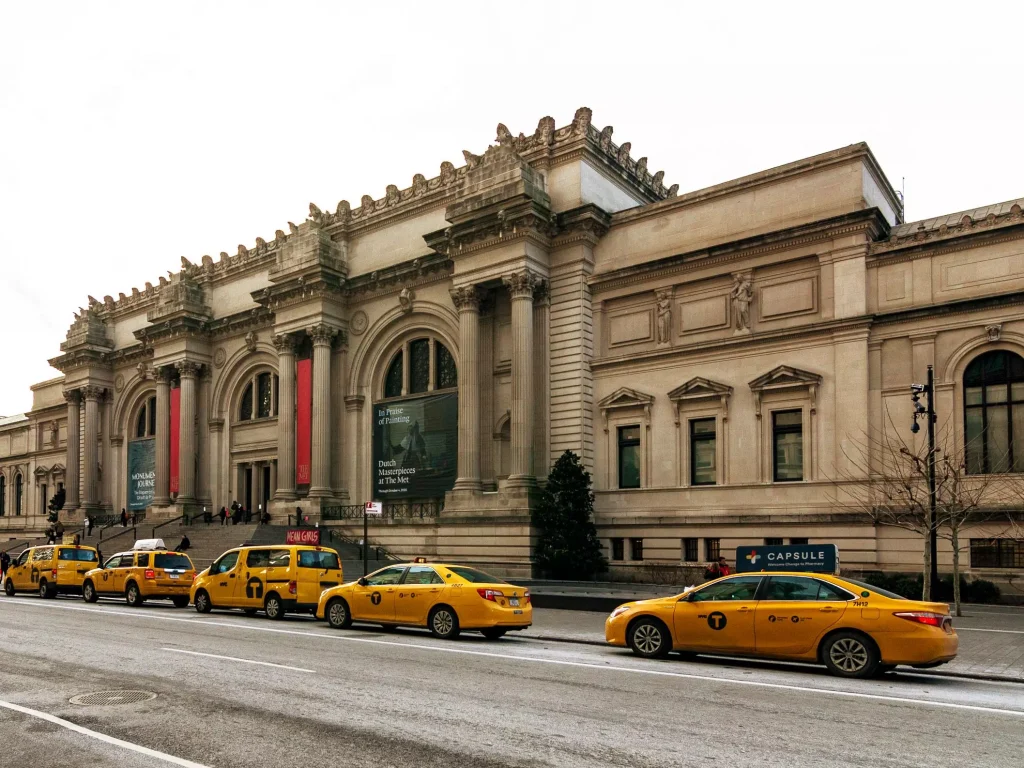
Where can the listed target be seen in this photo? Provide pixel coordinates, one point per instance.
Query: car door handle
(828, 609)
(231, 576)
(744, 609)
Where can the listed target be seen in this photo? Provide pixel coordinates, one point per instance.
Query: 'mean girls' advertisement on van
(415, 447)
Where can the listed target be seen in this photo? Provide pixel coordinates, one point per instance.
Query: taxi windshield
(82, 555)
(473, 576)
(171, 561)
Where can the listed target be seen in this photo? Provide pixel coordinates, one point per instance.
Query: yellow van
(275, 579)
(149, 572)
(51, 570)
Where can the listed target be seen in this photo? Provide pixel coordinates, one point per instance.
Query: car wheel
(273, 608)
(180, 602)
(46, 591)
(337, 614)
(9, 588)
(89, 592)
(250, 611)
(649, 638)
(132, 595)
(202, 602)
(850, 654)
(444, 623)
(493, 633)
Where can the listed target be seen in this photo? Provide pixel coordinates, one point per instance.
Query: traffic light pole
(932, 523)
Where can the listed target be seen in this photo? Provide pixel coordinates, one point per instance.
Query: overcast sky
(134, 133)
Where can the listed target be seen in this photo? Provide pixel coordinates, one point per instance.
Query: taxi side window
(24, 557)
(124, 561)
(828, 591)
(742, 588)
(42, 554)
(791, 588)
(419, 574)
(143, 561)
(225, 564)
(257, 558)
(279, 558)
(385, 577)
(112, 562)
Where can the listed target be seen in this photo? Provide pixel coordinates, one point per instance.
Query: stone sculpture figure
(664, 317)
(742, 294)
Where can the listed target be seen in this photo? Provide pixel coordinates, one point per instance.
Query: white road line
(240, 661)
(1004, 631)
(102, 736)
(555, 662)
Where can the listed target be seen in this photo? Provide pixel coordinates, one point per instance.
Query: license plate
(172, 575)
(517, 610)
(514, 602)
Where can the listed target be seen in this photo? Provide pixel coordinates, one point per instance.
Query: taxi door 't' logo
(375, 598)
(716, 620)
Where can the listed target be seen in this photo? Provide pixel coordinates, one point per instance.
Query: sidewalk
(991, 638)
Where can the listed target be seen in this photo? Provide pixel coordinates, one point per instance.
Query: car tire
(389, 628)
(493, 633)
(180, 602)
(9, 588)
(338, 614)
(649, 638)
(202, 602)
(850, 654)
(250, 611)
(273, 607)
(444, 622)
(46, 591)
(132, 596)
(89, 592)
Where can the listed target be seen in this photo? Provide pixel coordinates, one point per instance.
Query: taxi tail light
(526, 597)
(150, 573)
(293, 587)
(490, 594)
(924, 617)
(54, 573)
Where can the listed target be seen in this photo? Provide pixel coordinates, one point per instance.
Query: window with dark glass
(712, 549)
(629, 457)
(263, 395)
(140, 424)
(740, 588)
(773, 542)
(145, 424)
(994, 413)
(798, 541)
(419, 365)
(618, 549)
(277, 388)
(245, 409)
(636, 549)
(702, 452)
(17, 495)
(997, 553)
(151, 407)
(447, 376)
(689, 550)
(393, 378)
(787, 446)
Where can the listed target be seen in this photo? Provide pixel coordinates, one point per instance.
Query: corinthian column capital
(92, 393)
(321, 333)
(73, 396)
(188, 368)
(466, 298)
(522, 284)
(163, 375)
(285, 343)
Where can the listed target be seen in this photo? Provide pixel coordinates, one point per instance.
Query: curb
(901, 671)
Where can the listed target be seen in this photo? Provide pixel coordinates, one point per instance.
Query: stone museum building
(716, 357)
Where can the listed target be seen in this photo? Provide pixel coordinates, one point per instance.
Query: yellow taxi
(444, 598)
(854, 629)
(50, 570)
(276, 579)
(148, 572)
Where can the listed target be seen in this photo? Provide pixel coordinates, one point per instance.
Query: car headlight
(620, 610)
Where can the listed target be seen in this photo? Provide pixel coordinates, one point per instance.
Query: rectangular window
(997, 553)
(618, 549)
(773, 542)
(689, 550)
(712, 549)
(636, 549)
(702, 452)
(799, 541)
(143, 560)
(787, 446)
(629, 457)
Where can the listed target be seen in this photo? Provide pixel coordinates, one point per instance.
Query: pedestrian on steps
(124, 518)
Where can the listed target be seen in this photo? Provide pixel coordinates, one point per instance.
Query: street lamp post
(928, 411)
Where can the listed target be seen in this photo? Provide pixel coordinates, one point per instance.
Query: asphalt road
(368, 698)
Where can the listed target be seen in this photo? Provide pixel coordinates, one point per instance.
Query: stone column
(72, 470)
(320, 479)
(90, 493)
(467, 301)
(188, 370)
(521, 286)
(162, 492)
(285, 490)
(203, 429)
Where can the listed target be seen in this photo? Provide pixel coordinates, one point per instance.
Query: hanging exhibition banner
(303, 419)
(415, 447)
(175, 436)
(141, 473)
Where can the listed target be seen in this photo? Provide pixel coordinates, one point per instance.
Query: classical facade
(714, 357)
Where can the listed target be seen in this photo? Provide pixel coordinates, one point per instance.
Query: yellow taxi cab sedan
(443, 598)
(854, 629)
(144, 573)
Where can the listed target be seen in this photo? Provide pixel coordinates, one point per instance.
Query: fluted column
(467, 301)
(73, 463)
(162, 491)
(521, 286)
(285, 490)
(188, 371)
(319, 483)
(90, 495)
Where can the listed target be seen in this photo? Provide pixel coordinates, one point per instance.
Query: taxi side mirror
(361, 581)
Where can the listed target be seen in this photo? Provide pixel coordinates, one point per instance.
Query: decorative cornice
(914, 235)
(527, 219)
(354, 402)
(412, 273)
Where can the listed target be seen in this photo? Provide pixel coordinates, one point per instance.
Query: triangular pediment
(41, 472)
(625, 397)
(699, 387)
(785, 377)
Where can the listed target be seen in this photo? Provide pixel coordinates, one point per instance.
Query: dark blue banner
(415, 447)
(141, 473)
(820, 558)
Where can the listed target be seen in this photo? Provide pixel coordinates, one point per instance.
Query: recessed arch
(236, 369)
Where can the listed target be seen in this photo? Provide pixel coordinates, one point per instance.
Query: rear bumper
(917, 648)
(155, 592)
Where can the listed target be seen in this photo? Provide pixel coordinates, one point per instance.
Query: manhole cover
(109, 698)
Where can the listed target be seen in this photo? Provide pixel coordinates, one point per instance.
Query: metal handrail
(390, 510)
(177, 519)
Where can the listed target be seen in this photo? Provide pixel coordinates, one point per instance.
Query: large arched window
(994, 413)
(259, 397)
(3, 495)
(422, 365)
(18, 484)
(145, 421)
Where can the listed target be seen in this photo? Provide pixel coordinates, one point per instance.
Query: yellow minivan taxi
(854, 629)
(50, 570)
(276, 579)
(140, 575)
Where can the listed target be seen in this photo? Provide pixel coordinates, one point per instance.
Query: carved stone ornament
(285, 343)
(188, 368)
(250, 340)
(466, 298)
(322, 333)
(406, 298)
(219, 357)
(994, 331)
(143, 370)
(358, 323)
(664, 299)
(92, 393)
(72, 396)
(119, 382)
(742, 294)
(522, 284)
(163, 375)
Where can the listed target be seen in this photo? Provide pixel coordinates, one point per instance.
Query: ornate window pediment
(624, 397)
(785, 378)
(699, 388)
(41, 472)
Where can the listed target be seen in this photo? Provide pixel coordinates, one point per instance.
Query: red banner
(303, 420)
(310, 536)
(175, 436)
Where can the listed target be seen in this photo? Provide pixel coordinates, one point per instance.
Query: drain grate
(110, 698)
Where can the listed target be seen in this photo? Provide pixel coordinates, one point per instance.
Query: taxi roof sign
(814, 558)
(149, 544)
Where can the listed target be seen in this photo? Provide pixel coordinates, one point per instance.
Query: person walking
(227, 515)
(222, 514)
(5, 563)
(88, 526)
(124, 518)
